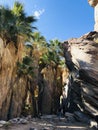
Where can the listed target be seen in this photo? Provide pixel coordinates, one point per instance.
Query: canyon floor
(48, 124)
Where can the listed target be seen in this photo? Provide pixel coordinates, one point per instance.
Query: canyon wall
(81, 56)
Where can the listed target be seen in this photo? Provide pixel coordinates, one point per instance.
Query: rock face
(81, 56)
(94, 3)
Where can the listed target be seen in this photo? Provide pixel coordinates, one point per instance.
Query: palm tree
(37, 37)
(5, 24)
(23, 23)
(15, 29)
(15, 23)
(54, 63)
(38, 49)
(39, 45)
(26, 67)
(54, 54)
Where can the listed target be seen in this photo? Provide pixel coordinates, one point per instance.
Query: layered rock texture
(81, 56)
(94, 3)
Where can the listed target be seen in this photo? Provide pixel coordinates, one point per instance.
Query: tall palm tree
(54, 54)
(23, 23)
(39, 45)
(6, 23)
(15, 23)
(15, 28)
(37, 37)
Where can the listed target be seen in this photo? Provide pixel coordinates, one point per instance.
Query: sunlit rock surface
(94, 3)
(81, 56)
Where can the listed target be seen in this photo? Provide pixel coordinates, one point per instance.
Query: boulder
(3, 123)
(81, 117)
(18, 121)
(70, 117)
(32, 129)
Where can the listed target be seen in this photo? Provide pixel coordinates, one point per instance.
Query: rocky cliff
(81, 56)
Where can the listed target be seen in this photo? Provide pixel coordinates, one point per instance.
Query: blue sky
(59, 19)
